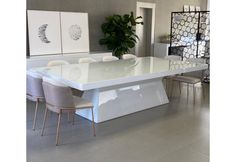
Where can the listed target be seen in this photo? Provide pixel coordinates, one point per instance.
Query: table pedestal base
(117, 101)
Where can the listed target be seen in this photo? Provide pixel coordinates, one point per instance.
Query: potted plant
(119, 33)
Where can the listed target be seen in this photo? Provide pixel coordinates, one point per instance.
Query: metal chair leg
(179, 87)
(171, 93)
(187, 91)
(166, 84)
(44, 120)
(94, 134)
(73, 118)
(194, 94)
(168, 87)
(35, 113)
(203, 92)
(68, 117)
(58, 128)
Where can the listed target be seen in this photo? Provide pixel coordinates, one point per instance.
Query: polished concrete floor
(175, 132)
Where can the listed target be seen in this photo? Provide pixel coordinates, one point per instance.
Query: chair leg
(202, 75)
(35, 113)
(94, 134)
(44, 120)
(167, 87)
(203, 91)
(171, 93)
(58, 128)
(179, 87)
(194, 94)
(166, 84)
(73, 118)
(187, 91)
(68, 116)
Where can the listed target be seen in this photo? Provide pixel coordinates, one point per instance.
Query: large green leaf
(119, 33)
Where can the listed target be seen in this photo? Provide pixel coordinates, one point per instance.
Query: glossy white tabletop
(87, 76)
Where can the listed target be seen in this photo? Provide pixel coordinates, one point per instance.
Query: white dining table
(121, 87)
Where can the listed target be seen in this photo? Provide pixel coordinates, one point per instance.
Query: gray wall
(99, 9)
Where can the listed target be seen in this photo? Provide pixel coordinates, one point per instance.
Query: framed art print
(75, 32)
(186, 8)
(44, 32)
(191, 8)
(197, 8)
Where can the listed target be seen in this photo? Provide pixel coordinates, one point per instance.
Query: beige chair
(86, 60)
(57, 62)
(63, 62)
(109, 58)
(190, 79)
(34, 91)
(169, 78)
(128, 56)
(59, 99)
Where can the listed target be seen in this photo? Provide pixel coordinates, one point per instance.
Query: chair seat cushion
(77, 92)
(32, 98)
(34, 74)
(187, 79)
(81, 103)
(170, 77)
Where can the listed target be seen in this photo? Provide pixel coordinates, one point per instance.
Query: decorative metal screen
(204, 29)
(190, 34)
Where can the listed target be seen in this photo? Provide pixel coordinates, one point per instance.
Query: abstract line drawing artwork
(42, 34)
(75, 32)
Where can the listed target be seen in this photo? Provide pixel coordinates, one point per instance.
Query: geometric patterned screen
(204, 29)
(190, 34)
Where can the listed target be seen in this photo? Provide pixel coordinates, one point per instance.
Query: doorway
(145, 32)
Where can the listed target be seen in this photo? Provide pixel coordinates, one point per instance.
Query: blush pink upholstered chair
(59, 99)
(34, 91)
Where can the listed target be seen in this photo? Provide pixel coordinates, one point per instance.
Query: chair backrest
(109, 58)
(86, 60)
(197, 60)
(57, 94)
(173, 57)
(57, 62)
(34, 85)
(128, 56)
